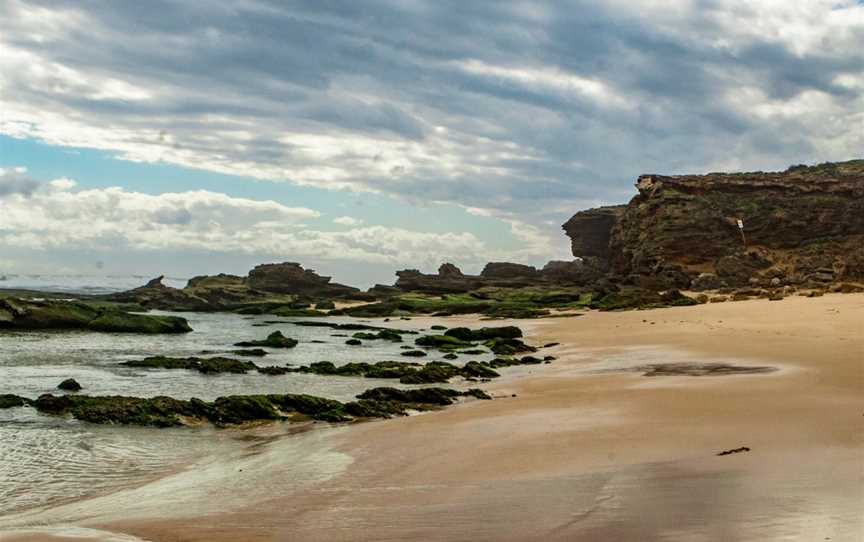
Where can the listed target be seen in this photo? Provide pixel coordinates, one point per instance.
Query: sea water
(46, 460)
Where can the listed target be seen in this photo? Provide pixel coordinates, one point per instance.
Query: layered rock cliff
(450, 278)
(805, 224)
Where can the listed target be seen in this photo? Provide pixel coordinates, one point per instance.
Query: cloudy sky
(361, 137)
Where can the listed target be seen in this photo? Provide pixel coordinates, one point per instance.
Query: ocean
(46, 460)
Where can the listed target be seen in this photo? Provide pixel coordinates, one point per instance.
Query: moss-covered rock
(121, 322)
(508, 347)
(274, 340)
(156, 411)
(413, 354)
(484, 333)
(7, 400)
(442, 342)
(239, 409)
(202, 365)
(32, 314)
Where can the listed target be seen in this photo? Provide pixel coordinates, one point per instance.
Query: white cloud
(63, 184)
(347, 221)
(59, 217)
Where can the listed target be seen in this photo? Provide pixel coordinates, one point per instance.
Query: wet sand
(589, 449)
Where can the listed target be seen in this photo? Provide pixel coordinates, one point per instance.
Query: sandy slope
(591, 450)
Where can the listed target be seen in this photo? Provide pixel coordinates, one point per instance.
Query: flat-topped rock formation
(802, 225)
(281, 283)
(450, 278)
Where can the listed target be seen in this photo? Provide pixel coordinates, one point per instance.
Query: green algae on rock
(43, 314)
(202, 365)
(274, 340)
(240, 409)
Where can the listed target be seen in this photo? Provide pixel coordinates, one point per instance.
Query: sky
(358, 138)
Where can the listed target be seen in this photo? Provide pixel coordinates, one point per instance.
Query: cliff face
(451, 280)
(802, 224)
(590, 231)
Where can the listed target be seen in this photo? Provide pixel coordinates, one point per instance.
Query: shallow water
(44, 460)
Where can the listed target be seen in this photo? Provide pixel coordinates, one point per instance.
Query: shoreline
(580, 455)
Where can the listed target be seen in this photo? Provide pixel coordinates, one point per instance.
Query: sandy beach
(586, 448)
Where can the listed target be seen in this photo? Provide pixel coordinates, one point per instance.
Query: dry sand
(589, 449)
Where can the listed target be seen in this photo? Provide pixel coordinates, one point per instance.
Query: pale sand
(583, 453)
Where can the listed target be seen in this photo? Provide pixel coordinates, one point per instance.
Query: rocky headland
(803, 227)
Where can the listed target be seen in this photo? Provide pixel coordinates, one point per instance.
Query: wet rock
(413, 353)
(353, 342)
(274, 340)
(32, 314)
(484, 334)
(442, 342)
(253, 352)
(7, 400)
(507, 347)
(70, 384)
(241, 409)
(202, 365)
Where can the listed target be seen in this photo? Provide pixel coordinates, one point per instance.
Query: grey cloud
(390, 70)
(15, 182)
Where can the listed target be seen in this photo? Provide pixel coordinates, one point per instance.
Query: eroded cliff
(805, 224)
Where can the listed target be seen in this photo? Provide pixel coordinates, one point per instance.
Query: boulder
(274, 340)
(70, 384)
(706, 281)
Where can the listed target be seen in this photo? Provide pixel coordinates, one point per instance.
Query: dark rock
(507, 270)
(274, 340)
(70, 384)
(707, 281)
(291, 278)
(590, 231)
(484, 334)
(354, 342)
(8, 400)
(413, 353)
(202, 365)
(735, 451)
(33, 314)
(442, 342)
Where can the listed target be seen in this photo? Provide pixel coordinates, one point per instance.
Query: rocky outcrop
(451, 280)
(268, 286)
(448, 280)
(291, 278)
(591, 231)
(240, 409)
(802, 225)
(32, 314)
